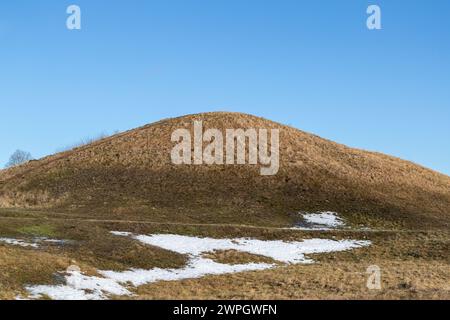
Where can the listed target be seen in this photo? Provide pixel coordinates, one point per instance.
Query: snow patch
(18, 242)
(121, 233)
(79, 287)
(34, 244)
(196, 268)
(82, 287)
(288, 252)
(326, 220)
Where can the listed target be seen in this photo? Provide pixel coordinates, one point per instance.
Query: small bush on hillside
(18, 157)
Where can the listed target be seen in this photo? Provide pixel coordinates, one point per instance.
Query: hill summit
(132, 174)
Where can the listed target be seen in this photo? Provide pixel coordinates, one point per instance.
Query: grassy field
(127, 182)
(414, 264)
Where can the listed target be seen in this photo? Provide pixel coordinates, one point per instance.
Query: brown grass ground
(127, 182)
(414, 264)
(131, 174)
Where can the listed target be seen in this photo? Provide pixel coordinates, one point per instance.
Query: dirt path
(68, 218)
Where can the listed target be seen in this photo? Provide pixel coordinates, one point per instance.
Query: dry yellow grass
(236, 257)
(19, 267)
(341, 280)
(131, 173)
(414, 264)
(127, 182)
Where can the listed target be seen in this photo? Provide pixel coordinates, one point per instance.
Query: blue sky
(311, 64)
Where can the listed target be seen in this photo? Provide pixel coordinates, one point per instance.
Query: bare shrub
(18, 157)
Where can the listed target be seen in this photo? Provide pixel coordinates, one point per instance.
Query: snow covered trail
(80, 287)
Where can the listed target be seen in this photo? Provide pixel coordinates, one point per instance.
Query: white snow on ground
(288, 252)
(196, 268)
(79, 286)
(34, 244)
(54, 241)
(17, 242)
(121, 233)
(326, 220)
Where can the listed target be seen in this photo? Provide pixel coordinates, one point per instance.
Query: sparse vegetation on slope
(131, 175)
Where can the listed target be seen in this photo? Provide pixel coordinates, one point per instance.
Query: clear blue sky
(311, 64)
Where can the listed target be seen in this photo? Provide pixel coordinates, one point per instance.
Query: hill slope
(131, 174)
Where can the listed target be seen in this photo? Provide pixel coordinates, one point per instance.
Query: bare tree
(18, 157)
